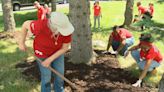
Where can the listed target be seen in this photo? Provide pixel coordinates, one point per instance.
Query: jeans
(141, 63)
(116, 44)
(96, 18)
(58, 65)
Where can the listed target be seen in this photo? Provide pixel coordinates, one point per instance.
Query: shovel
(75, 87)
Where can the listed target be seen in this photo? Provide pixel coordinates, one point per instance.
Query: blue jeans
(141, 63)
(58, 65)
(116, 44)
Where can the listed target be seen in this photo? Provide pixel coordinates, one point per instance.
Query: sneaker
(154, 71)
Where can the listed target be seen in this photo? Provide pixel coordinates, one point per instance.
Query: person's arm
(43, 13)
(23, 34)
(143, 74)
(123, 42)
(134, 48)
(146, 67)
(131, 49)
(49, 60)
(43, 16)
(109, 42)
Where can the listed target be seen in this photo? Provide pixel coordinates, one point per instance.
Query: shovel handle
(60, 75)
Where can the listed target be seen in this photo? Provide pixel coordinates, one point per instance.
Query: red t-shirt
(142, 9)
(44, 43)
(123, 33)
(152, 54)
(97, 10)
(151, 9)
(41, 11)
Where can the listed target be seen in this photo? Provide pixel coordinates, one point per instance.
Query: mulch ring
(5, 35)
(104, 76)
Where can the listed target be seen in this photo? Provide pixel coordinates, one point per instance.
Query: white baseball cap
(61, 22)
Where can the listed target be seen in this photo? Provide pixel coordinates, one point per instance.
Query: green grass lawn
(11, 80)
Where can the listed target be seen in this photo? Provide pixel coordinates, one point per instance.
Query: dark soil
(5, 35)
(104, 76)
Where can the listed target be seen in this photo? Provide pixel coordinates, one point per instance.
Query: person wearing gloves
(120, 39)
(52, 40)
(146, 55)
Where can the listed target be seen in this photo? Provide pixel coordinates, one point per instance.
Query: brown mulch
(104, 76)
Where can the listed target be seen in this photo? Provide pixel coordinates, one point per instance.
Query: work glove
(105, 52)
(114, 52)
(126, 53)
(137, 84)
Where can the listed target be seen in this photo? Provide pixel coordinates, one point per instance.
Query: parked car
(17, 4)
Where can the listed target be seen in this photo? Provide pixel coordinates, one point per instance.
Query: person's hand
(114, 52)
(46, 63)
(22, 47)
(126, 53)
(137, 84)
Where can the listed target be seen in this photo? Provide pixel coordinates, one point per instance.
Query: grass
(11, 79)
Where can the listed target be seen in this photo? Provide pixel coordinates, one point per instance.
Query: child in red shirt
(41, 12)
(147, 56)
(97, 13)
(47, 10)
(151, 9)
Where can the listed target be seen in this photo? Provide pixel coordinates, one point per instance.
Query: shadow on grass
(160, 1)
(159, 33)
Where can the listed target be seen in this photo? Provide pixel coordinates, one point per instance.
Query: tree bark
(53, 5)
(128, 12)
(81, 47)
(8, 17)
(161, 85)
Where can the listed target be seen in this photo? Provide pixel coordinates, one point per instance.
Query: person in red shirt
(120, 39)
(141, 9)
(47, 10)
(41, 12)
(151, 9)
(146, 55)
(52, 40)
(97, 13)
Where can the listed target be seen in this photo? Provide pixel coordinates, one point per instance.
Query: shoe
(154, 71)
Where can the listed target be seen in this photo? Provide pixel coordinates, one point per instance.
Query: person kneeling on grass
(52, 40)
(120, 39)
(146, 55)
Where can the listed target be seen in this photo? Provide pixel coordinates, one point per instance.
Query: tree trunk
(8, 17)
(53, 5)
(128, 12)
(81, 47)
(161, 85)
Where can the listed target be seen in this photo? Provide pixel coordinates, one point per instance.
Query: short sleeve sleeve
(36, 26)
(67, 39)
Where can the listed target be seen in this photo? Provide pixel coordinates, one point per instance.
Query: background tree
(53, 5)
(161, 85)
(81, 47)
(8, 17)
(128, 12)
